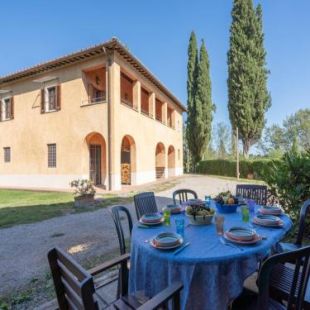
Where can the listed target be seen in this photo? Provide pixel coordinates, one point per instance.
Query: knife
(182, 248)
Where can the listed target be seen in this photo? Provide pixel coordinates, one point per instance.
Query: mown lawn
(22, 207)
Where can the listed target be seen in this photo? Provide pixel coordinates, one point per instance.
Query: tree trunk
(246, 148)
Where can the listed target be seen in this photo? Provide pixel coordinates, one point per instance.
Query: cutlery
(182, 248)
(143, 226)
(224, 242)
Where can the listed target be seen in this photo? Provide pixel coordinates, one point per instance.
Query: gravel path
(23, 248)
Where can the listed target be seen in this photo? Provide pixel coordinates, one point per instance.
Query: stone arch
(97, 158)
(128, 160)
(171, 161)
(160, 160)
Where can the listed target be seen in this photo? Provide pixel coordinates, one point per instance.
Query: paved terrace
(85, 235)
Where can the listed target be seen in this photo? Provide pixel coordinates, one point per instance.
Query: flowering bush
(83, 187)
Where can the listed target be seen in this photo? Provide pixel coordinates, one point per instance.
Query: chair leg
(176, 301)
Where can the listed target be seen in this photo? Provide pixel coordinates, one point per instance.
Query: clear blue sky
(157, 32)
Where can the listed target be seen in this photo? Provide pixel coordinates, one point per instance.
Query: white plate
(277, 224)
(166, 247)
(256, 239)
(241, 233)
(271, 212)
(152, 224)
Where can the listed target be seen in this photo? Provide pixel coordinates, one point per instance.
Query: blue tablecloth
(212, 273)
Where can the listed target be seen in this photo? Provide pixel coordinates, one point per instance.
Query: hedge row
(225, 167)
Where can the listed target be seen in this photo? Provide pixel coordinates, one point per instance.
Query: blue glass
(179, 225)
(207, 201)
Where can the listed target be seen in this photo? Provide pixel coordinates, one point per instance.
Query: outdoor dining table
(212, 272)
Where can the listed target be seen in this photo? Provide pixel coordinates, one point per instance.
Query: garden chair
(281, 285)
(117, 212)
(182, 195)
(253, 191)
(283, 246)
(145, 203)
(75, 288)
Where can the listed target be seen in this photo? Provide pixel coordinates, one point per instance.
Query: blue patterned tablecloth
(212, 273)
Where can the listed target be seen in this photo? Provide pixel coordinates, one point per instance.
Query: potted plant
(84, 193)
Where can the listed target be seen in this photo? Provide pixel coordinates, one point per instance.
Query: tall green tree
(248, 97)
(192, 71)
(297, 126)
(295, 129)
(203, 109)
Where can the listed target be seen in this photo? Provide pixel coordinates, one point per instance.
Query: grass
(23, 207)
(251, 181)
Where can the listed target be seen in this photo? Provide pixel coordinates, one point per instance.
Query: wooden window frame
(7, 111)
(7, 154)
(45, 104)
(52, 155)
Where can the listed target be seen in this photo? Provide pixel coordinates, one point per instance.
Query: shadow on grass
(10, 216)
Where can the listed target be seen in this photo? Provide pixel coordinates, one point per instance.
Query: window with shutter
(50, 99)
(6, 110)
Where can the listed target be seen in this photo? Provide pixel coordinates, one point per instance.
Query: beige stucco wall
(30, 131)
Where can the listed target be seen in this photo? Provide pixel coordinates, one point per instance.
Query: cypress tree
(248, 97)
(203, 104)
(202, 109)
(192, 69)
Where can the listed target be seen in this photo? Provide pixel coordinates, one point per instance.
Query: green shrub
(226, 167)
(289, 181)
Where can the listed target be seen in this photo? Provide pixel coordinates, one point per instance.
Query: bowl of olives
(199, 214)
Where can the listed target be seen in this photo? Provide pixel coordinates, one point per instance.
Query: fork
(224, 242)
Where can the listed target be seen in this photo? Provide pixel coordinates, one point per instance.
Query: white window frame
(4, 110)
(46, 101)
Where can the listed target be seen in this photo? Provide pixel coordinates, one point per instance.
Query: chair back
(117, 212)
(182, 195)
(74, 286)
(305, 209)
(297, 284)
(145, 203)
(253, 191)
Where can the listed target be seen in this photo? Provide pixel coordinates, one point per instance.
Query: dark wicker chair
(304, 212)
(117, 212)
(182, 195)
(145, 203)
(75, 288)
(281, 285)
(253, 191)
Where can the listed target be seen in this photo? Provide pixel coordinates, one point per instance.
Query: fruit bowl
(226, 203)
(226, 208)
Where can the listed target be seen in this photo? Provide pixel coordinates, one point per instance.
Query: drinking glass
(251, 204)
(167, 214)
(219, 224)
(179, 225)
(245, 214)
(207, 201)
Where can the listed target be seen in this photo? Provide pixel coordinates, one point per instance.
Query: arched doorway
(128, 160)
(160, 161)
(97, 158)
(171, 161)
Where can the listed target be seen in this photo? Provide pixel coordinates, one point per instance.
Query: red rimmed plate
(256, 239)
